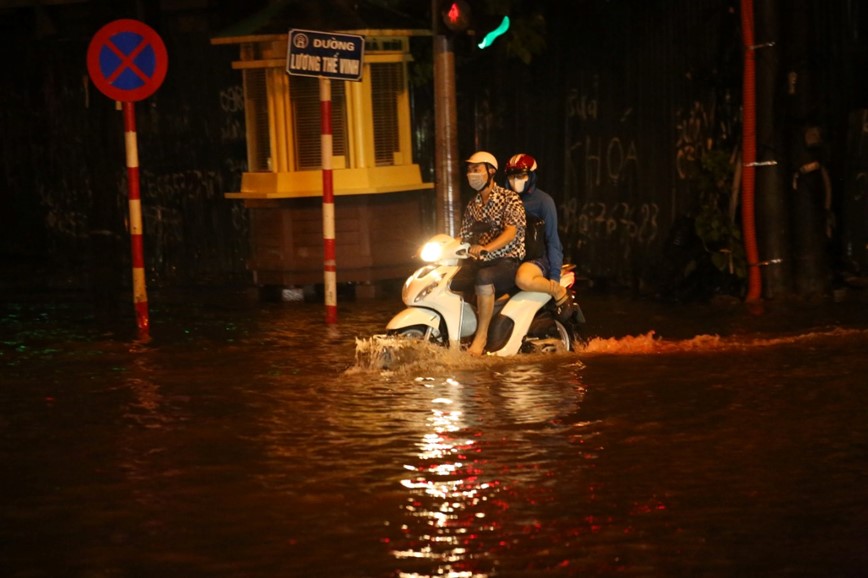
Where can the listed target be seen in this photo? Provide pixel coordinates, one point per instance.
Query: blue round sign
(127, 60)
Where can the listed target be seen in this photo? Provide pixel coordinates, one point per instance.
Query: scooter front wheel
(420, 332)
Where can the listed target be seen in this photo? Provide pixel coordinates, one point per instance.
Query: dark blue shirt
(540, 204)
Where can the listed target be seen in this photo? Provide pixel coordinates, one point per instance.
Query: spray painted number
(597, 220)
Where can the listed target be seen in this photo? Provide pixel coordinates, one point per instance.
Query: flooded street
(249, 439)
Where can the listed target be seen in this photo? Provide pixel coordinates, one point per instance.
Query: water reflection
(524, 387)
(445, 513)
(487, 455)
(237, 443)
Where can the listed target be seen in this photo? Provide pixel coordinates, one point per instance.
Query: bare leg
(485, 311)
(530, 278)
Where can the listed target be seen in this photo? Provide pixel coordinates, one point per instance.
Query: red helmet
(521, 163)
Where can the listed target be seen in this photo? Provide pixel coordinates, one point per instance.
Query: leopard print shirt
(504, 207)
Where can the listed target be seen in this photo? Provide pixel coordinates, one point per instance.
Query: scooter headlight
(431, 252)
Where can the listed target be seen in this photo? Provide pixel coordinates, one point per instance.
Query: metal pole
(140, 295)
(328, 202)
(446, 161)
(772, 200)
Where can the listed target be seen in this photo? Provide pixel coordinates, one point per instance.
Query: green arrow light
(491, 36)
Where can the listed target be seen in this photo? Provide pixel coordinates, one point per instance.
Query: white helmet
(483, 157)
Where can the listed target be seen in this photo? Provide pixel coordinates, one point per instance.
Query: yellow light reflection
(445, 494)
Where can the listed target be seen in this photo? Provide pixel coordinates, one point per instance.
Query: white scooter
(524, 321)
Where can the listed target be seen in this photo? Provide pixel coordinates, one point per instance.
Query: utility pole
(446, 163)
(772, 206)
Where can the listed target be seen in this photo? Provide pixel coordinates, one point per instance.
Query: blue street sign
(325, 54)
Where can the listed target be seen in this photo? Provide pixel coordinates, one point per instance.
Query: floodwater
(250, 439)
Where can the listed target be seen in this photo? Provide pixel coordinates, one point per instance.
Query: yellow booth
(379, 194)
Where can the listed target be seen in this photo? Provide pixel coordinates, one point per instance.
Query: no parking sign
(127, 60)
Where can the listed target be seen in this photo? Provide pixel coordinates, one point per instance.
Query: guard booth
(379, 195)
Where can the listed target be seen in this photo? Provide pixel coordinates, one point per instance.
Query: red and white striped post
(127, 61)
(328, 202)
(325, 55)
(140, 295)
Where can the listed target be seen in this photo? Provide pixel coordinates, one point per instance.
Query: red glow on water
(648, 507)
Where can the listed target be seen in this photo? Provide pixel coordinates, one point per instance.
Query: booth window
(387, 85)
(256, 116)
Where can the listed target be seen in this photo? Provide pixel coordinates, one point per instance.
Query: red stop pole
(140, 295)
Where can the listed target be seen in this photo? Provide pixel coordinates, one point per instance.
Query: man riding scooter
(485, 256)
(499, 248)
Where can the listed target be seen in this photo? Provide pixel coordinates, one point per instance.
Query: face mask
(518, 183)
(477, 180)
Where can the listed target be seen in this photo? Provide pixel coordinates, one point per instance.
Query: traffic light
(457, 15)
(470, 17)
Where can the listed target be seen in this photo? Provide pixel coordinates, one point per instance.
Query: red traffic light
(456, 15)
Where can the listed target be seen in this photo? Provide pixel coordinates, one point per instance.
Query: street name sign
(325, 54)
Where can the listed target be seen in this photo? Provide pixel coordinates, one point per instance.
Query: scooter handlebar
(482, 253)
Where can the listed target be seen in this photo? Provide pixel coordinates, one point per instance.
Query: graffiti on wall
(232, 104)
(625, 223)
(76, 195)
(187, 223)
(700, 127)
(606, 216)
(693, 136)
(608, 161)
